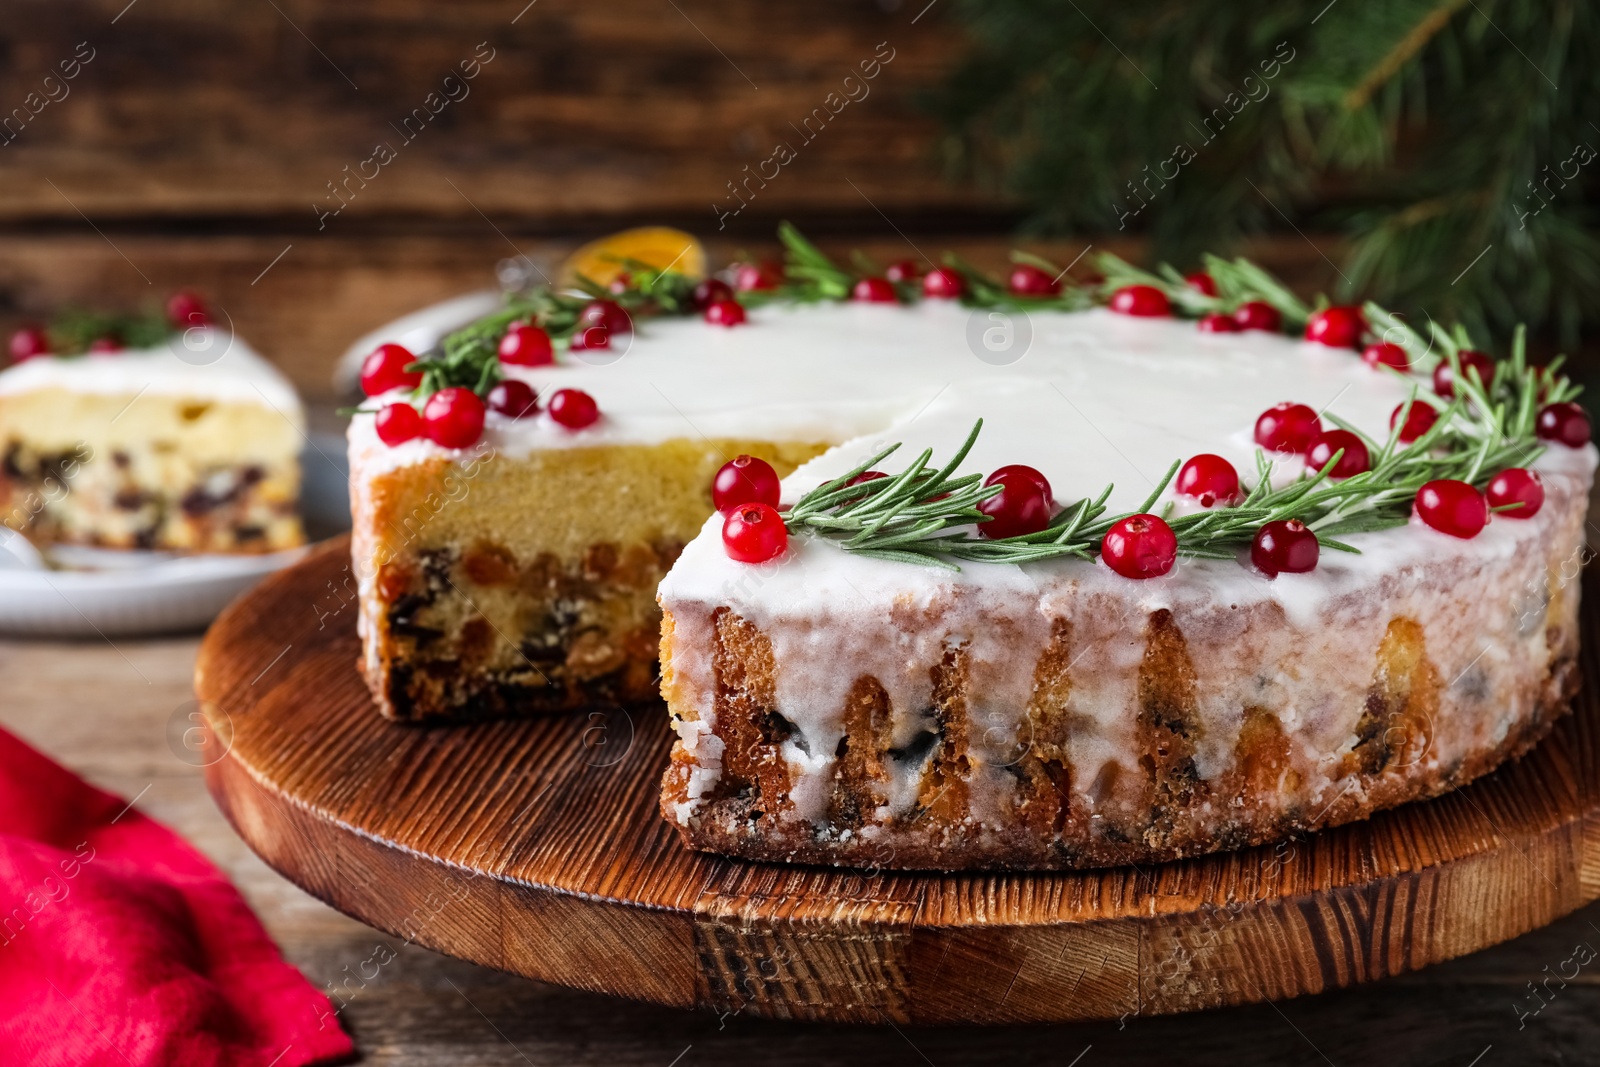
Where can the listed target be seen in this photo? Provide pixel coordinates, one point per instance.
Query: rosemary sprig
(921, 514)
(1238, 281)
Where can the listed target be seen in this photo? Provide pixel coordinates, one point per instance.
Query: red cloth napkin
(121, 945)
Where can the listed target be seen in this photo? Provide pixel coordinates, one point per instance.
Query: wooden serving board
(536, 847)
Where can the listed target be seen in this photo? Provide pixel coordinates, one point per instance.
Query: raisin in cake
(187, 443)
(1129, 701)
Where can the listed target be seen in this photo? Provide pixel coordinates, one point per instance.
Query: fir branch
(1411, 126)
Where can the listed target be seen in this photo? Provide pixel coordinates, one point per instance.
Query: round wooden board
(536, 847)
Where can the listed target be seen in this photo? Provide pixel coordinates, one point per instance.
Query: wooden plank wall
(234, 145)
(235, 110)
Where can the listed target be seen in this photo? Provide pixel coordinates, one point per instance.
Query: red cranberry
(513, 399)
(1140, 546)
(1354, 461)
(28, 342)
(1565, 422)
(385, 369)
(1217, 323)
(1287, 428)
(1209, 479)
(1023, 505)
(1285, 547)
(754, 533)
(399, 423)
(1337, 327)
(1452, 507)
(590, 339)
(1020, 472)
(1386, 354)
(748, 277)
(1201, 282)
(874, 291)
(1418, 422)
(1145, 301)
(106, 344)
(453, 417)
(726, 313)
(709, 292)
(861, 479)
(1517, 486)
(1444, 375)
(526, 345)
(620, 284)
(903, 271)
(1258, 315)
(1028, 280)
(573, 408)
(606, 314)
(944, 283)
(744, 480)
(186, 309)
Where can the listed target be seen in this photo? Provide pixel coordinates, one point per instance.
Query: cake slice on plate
(152, 433)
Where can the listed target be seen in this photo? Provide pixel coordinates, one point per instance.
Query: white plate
(109, 592)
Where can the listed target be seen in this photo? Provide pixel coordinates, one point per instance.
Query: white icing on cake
(1098, 396)
(236, 373)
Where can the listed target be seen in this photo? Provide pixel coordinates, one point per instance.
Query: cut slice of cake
(186, 441)
(500, 583)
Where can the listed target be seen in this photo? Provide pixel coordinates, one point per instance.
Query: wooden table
(115, 714)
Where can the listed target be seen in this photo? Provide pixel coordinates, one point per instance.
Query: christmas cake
(1068, 573)
(155, 432)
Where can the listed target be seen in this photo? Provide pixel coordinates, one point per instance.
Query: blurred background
(318, 169)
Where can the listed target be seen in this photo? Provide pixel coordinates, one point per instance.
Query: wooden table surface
(116, 713)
